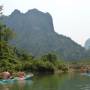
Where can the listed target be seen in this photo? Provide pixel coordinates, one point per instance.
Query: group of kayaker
(85, 69)
(8, 75)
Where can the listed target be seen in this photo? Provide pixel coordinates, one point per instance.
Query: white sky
(70, 17)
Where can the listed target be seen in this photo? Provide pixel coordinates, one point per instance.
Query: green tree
(8, 58)
(49, 57)
(6, 33)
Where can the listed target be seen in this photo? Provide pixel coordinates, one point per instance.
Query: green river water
(70, 81)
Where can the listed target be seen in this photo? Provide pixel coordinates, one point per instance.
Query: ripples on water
(51, 82)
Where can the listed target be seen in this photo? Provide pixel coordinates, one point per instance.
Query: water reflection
(49, 82)
(18, 85)
(5, 86)
(21, 84)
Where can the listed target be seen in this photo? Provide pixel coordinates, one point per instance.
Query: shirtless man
(6, 75)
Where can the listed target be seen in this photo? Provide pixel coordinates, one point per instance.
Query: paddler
(21, 74)
(6, 75)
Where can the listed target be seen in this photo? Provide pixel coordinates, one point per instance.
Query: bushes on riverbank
(46, 64)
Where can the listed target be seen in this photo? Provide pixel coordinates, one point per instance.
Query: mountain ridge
(36, 34)
(87, 44)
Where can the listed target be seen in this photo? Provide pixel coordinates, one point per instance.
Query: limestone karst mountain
(35, 33)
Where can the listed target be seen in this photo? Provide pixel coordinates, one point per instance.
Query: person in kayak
(6, 75)
(21, 74)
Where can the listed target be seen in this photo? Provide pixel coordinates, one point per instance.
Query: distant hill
(87, 44)
(35, 33)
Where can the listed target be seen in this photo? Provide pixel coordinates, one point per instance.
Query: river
(71, 81)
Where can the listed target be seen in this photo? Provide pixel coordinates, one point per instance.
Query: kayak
(27, 77)
(7, 81)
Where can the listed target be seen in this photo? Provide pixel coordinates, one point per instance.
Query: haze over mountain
(35, 33)
(87, 44)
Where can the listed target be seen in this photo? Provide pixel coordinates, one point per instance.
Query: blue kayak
(27, 77)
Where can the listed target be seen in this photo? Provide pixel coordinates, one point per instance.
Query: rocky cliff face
(87, 44)
(35, 33)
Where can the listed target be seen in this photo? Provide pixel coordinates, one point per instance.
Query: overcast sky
(70, 17)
